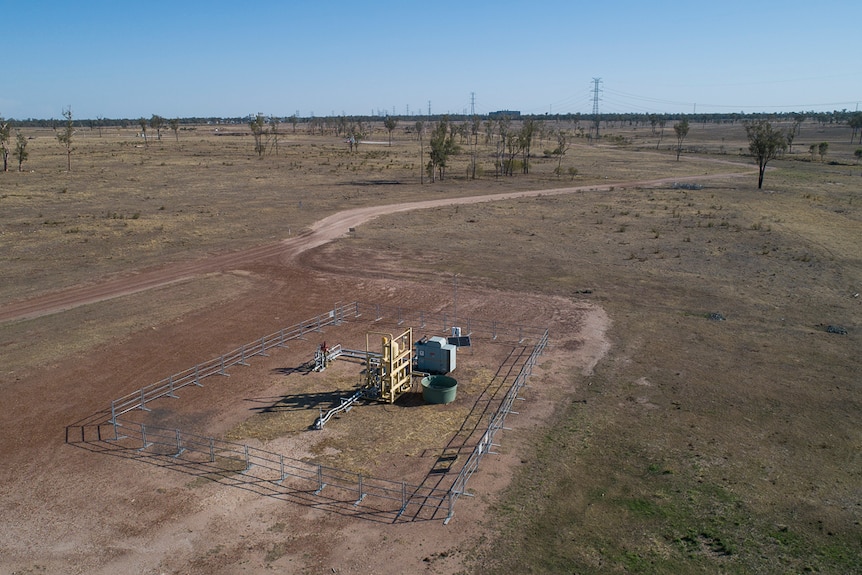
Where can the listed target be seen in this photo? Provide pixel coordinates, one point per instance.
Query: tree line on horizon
(765, 141)
(610, 119)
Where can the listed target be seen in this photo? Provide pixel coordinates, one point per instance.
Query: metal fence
(274, 473)
(217, 366)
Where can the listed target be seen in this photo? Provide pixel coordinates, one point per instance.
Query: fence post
(403, 499)
(451, 508)
(263, 347)
(180, 448)
(320, 483)
(242, 355)
(143, 405)
(197, 376)
(222, 371)
(212, 450)
(247, 461)
(281, 463)
(171, 387)
(144, 442)
(361, 492)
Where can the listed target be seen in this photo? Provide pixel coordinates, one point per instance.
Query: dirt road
(321, 232)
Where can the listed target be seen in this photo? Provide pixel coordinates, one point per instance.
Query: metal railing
(276, 473)
(279, 474)
(497, 423)
(218, 366)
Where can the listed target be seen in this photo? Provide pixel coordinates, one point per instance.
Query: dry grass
(125, 206)
(365, 439)
(697, 446)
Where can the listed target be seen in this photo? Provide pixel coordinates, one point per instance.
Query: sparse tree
(560, 151)
(390, 123)
(500, 165)
(5, 131)
(257, 128)
(355, 135)
(21, 150)
(790, 136)
(157, 123)
(794, 130)
(858, 154)
(175, 128)
(681, 131)
(293, 119)
(420, 129)
(273, 130)
(65, 137)
(822, 148)
(661, 124)
(442, 147)
(525, 142)
(764, 143)
(143, 123)
(855, 123)
(489, 130)
(513, 146)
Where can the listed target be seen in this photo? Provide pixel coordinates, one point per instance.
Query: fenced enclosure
(276, 475)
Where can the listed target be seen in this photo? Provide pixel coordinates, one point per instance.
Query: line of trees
(328, 123)
(513, 147)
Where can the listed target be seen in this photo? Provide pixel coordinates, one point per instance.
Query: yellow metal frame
(393, 369)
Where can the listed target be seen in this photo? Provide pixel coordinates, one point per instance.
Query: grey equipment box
(435, 355)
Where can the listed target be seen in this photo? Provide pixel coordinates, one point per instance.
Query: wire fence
(275, 474)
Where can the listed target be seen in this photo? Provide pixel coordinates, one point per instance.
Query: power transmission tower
(472, 103)
(596, 92)
(429, 107)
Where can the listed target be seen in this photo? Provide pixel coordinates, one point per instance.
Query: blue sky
(181, 58)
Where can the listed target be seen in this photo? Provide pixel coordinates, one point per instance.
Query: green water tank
(439, 388)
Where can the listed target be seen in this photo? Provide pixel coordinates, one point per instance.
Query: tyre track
(321, 232)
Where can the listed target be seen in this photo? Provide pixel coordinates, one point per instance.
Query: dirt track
(67, 510)
(320, 233)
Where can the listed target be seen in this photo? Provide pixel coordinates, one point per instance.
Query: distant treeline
(834, 117)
